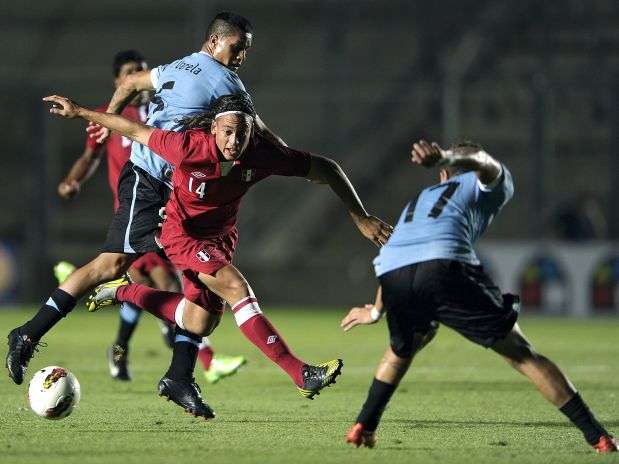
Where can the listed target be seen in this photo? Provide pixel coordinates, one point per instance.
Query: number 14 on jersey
(199, 189)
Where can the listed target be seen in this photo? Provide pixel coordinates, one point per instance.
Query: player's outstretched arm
(63, 106)
(123, 95)
(326, 171)
(429, 155)
(80, 172)
(369, 314)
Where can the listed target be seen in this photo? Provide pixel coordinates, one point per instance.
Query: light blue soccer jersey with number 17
(183, 87)
(444, 222)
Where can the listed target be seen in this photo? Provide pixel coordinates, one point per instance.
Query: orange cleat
(358, 436)
(606, 444)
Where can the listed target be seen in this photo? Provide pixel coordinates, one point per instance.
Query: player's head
(125, 63)
(463, 148)
(228, 38)
(232, 124)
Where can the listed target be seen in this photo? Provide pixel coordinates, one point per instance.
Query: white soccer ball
(53, 392)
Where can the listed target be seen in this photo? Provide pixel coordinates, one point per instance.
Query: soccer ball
(53, 392)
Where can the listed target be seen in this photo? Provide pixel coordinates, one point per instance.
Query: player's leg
(391, 368)
(410, 331)
(554, 386)
(229, 284)
(129, 316)
(23, 339)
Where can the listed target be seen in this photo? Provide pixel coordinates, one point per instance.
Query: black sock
(58, 305)
(129, 318)
(577, 411)
(374, 406)
(125, 331)
(184, 355)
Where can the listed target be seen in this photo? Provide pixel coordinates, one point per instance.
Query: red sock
(157, 302)
(258, 330)
(205, 355)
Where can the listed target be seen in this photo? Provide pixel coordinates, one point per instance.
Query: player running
(217, 160)
(430, 274)
(149, 269)
(183, 87)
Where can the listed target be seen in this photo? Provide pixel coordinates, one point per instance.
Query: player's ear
(213, 127)
(444, 175)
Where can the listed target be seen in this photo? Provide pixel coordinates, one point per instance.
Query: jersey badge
(203, 256)
(198, 174)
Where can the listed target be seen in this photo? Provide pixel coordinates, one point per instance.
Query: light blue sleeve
(497, 195)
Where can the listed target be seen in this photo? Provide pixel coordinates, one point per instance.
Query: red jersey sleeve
(174, 147)
(285, 161)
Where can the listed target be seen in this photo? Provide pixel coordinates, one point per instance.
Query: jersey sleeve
(154, 75)
(286, 161)
(499, 192)
(174, 147)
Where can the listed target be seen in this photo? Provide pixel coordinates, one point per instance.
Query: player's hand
(63, 106)
(428, 155)
(372, 228)
(358, 316)
(98, 132)
(68, 190)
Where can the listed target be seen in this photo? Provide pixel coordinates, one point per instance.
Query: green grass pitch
(458, 404)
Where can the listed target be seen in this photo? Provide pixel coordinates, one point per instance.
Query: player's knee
(236, 285)
(401, 349)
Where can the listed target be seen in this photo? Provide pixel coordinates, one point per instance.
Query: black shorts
(136, 220)
(456, 294)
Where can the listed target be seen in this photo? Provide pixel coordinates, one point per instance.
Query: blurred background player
(429, 273)
(150, 269)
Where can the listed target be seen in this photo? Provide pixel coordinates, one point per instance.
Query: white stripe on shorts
(127, 246)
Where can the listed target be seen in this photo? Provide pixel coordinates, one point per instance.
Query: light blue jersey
(444, 222)
(183, 87)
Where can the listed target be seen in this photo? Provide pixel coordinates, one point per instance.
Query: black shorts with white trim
(459, 295)
(137, 218)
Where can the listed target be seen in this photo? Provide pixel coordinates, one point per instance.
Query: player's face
(128, 69)
(231, 50)
(232, 133)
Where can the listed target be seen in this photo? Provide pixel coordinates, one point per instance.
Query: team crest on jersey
(203, 256)
(248, 175)
(198, 174)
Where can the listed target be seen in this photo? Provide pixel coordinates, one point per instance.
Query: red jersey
(207, 189)
(118, 148)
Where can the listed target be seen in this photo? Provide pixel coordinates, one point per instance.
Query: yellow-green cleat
(105, 294)
(62, 271)
(317, 377)
(223, 366)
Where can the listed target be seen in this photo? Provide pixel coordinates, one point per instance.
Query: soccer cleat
(187, 395)
(358, 436)
(606, 444)
(117, 361)
(21, 349)
(62, 271)
(105, 294)
(223, 366)
(315, 378)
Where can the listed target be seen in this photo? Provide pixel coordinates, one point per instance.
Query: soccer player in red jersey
(149, 269)
(216, 162)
